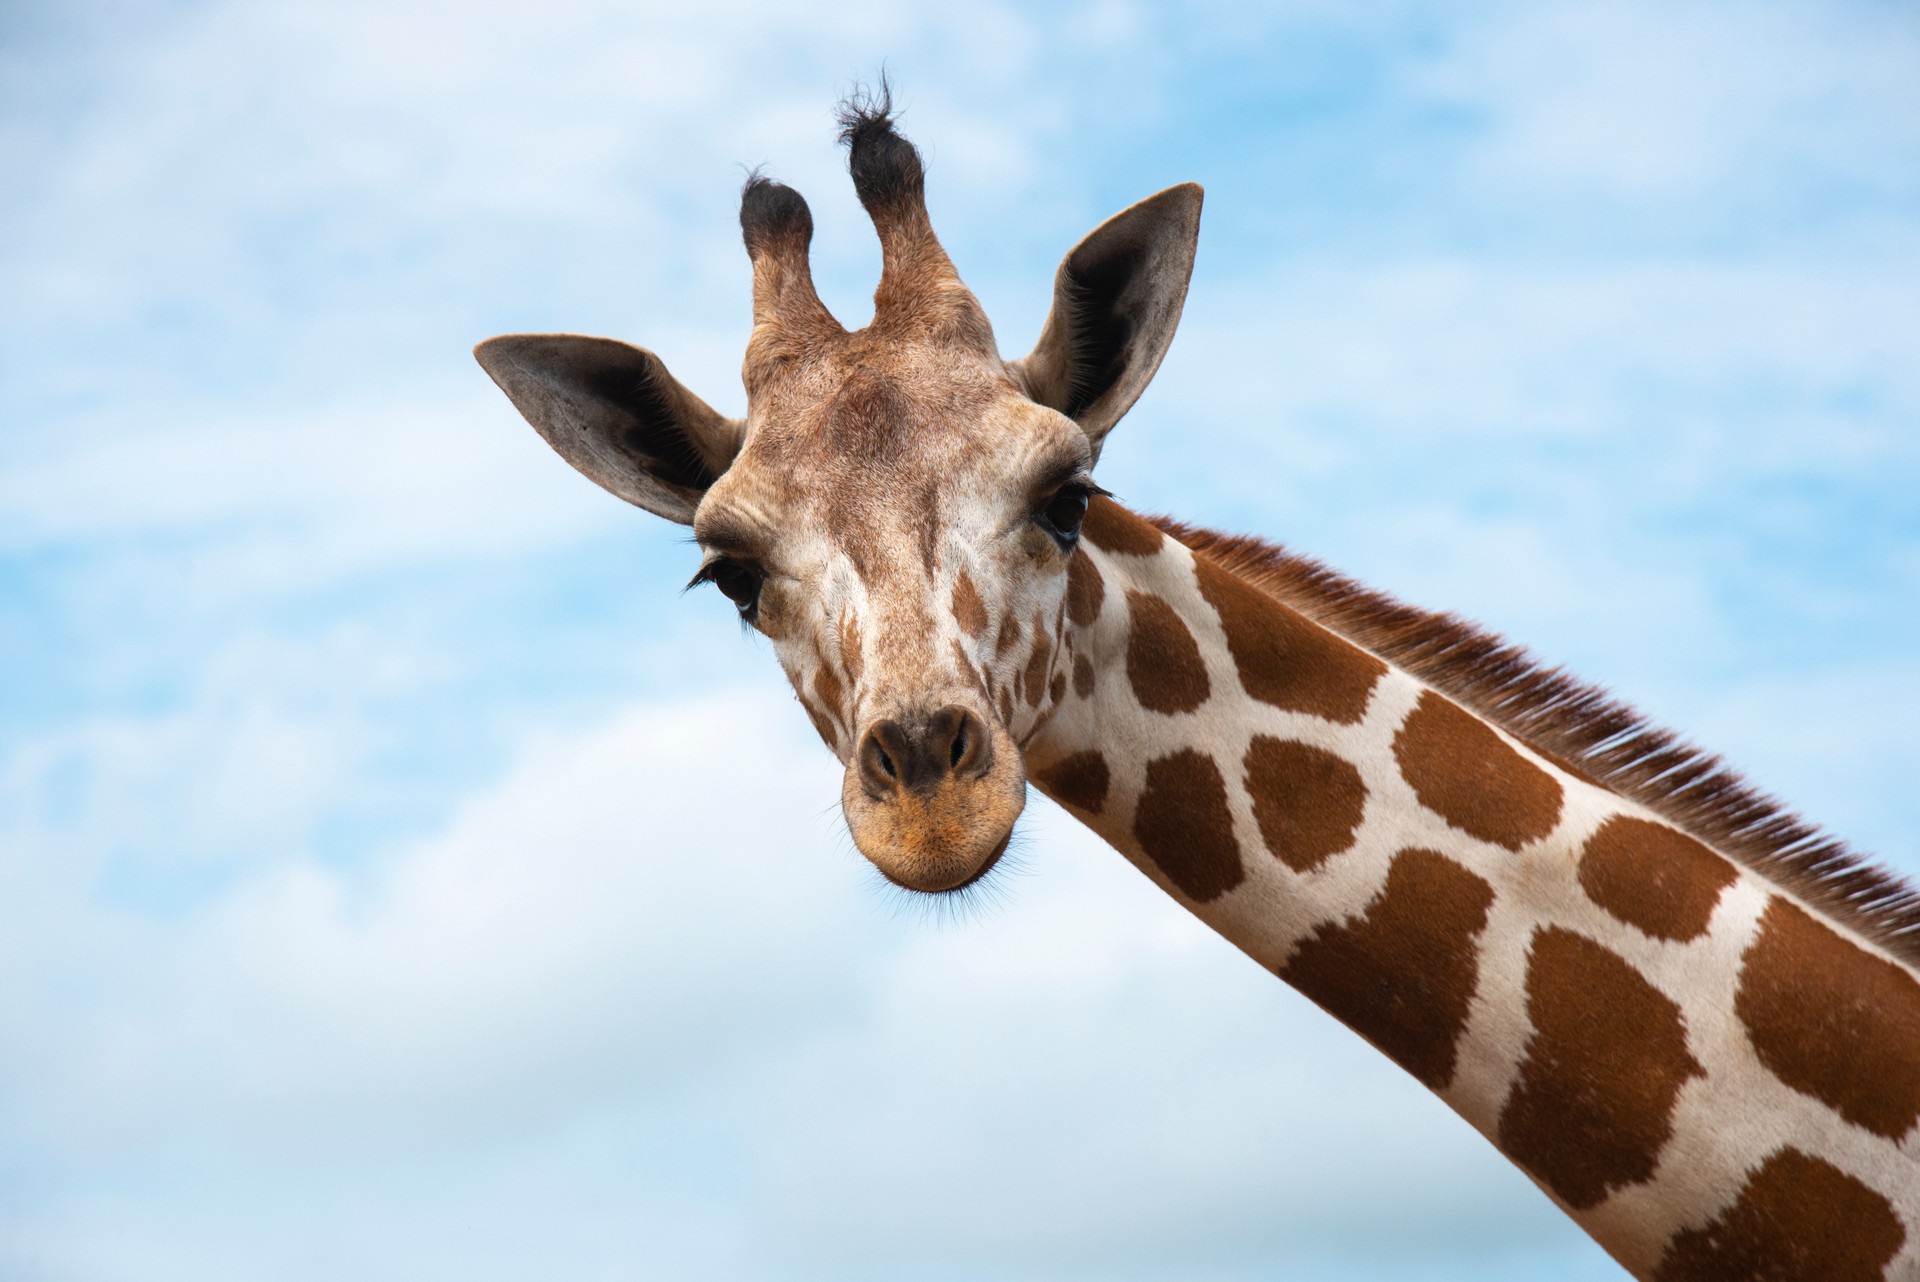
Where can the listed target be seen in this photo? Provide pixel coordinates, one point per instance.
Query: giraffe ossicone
(1693, 1020)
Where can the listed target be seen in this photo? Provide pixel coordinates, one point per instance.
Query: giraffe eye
(1065, 510)
(739, 583)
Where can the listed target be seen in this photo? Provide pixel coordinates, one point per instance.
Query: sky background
(400, 880)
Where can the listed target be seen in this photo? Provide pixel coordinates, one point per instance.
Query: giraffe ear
(616, 414)
(1116, 302)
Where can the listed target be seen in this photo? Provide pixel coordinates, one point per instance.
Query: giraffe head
(899, 510)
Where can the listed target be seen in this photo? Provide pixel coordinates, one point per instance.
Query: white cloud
(570, 930)
(613, 931)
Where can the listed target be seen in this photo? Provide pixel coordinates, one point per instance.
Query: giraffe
(1692, 1020)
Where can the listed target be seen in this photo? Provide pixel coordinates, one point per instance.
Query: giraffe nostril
(969, 749)
(923, 752)
(886, 758)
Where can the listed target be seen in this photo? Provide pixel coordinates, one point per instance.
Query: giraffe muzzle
(931, 798)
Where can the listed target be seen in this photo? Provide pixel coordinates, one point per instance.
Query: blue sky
(399, 879)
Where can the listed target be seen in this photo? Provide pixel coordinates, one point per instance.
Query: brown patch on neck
(1833, 1021)
(1307, 801)
(1403, 975)
(1594, 1102)
(1284, 658)
(1085, 591)
(1112, 528)
(1654, 878)
(1587, 731)
(1080, 781)
(1184, 826)
(1465, 773)
(1163, 659)
(1797, 1219)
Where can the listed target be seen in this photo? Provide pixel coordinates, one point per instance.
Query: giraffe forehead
(863, 403)
(903, 507)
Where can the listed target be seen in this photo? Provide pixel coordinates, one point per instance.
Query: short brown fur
(1307, 801)
(1798, 1219)
(1470, 777)
(1654, 878)
(1163, 659)
(1593, 1105)
(1080, 780)
(1184, 825)
(1403, 975)
(1833, 1021)
(1285, 659)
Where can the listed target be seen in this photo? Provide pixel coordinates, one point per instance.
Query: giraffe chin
(941, 839)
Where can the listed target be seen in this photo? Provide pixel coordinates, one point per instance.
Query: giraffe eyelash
(739, 581)
(1061, 513)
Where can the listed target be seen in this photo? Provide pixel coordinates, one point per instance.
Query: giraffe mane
(1585, 730)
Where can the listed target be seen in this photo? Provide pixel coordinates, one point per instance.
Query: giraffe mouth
(931, 798)
(978, 876)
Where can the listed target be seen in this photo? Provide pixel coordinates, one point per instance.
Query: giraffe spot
(1593, 1105)
(1085, 591)
(1650, 876)
(1058, 690)
(1079, 781)
(1009, 636)
(1307, 801)
(1163, 659)
(1403, 975)
(827, 689)
(1283, 657)
(1184, 826)
(1082, 675)
(1037, 664)
(969, 611)
(850, 655)
(1833, 1021)
(821, 726)
(968, 672)
(1797, 1219)
(1468, 775)
(1006, 706)
(1112, 528)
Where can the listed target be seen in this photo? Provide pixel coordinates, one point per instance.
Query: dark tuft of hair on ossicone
(886, 169)
(773, 213)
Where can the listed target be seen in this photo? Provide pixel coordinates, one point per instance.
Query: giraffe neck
(1699, 1069)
